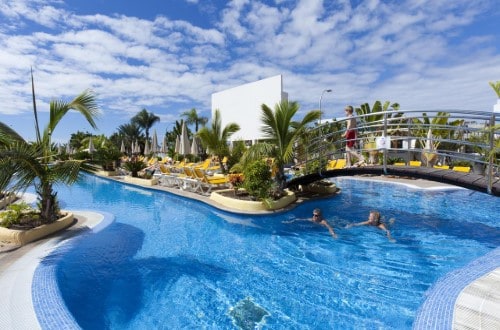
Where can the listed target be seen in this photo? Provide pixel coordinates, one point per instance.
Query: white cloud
(417, 53)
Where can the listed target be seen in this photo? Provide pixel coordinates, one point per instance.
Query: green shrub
(315, 166)
(258, 181)
(13, 214)
(464, 163)
(392, 161)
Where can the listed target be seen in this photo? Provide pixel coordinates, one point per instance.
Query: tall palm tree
(145, 120)
(129, 133)
(281, 132)
(216, 137)
(33, 162)
(193, 118)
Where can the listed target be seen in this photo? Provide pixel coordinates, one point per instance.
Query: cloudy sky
(169, 56)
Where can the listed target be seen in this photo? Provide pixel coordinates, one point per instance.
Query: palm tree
(33, 164)
(216, 137)
(130, 133)
(432, 131)
(193, 118)
(373, 117)
(281, 133)
(8, 135)
(145, 120)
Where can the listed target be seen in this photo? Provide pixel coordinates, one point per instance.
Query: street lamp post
(320, 98)
(320, 129)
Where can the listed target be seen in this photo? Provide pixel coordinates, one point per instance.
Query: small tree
(23, 164)
(216, 137)
(258, 181)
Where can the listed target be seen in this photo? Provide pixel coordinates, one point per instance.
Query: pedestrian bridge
(440, 141)
(471, 181)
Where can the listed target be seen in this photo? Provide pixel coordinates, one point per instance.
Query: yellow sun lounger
(465, 169)
(210, 182)
(336, 164)
(415, 163)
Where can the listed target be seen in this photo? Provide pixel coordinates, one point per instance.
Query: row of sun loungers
(190, 178)
(340, 163)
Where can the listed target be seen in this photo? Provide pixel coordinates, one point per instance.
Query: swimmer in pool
(374, 220)
(317, 218)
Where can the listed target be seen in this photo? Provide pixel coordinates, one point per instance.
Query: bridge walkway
(471, 181)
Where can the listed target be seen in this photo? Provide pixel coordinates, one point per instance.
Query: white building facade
(242, 105)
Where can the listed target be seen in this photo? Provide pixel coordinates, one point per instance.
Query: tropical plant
(496, 87)
(107, 156)
(8, 135)
(237, 151)
(432, 131)
(258, 181)
(192, 117)
(14, 214)
(281, 133)
(33, 163)
(134, 165)
(145, 120)
(215, 138)
(372, 118)
(76, 140)
(130, 133)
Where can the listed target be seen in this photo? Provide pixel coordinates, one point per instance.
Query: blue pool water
(167, 262)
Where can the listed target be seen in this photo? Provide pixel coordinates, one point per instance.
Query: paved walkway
(16, 274)
(475, 307)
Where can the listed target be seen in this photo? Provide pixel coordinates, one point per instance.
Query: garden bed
(243, 202)
(22, 237)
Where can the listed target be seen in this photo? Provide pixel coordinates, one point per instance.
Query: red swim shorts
(351, 138)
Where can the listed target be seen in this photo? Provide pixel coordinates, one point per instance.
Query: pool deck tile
(447, 307)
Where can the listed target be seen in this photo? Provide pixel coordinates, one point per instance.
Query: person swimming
(317, 218)
(373, 220)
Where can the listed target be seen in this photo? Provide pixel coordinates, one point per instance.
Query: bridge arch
(471, 181)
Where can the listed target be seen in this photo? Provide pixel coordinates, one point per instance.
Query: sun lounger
(210, 182)
(415, 163)
(336, 164)
(169, 179)
(465, 169)
(442, 167)
(190, 181)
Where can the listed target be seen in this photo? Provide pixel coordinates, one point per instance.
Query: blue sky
(169, 56)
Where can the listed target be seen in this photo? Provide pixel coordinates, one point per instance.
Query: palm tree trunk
(48, 207)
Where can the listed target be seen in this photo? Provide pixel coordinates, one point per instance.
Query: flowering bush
(236, 180)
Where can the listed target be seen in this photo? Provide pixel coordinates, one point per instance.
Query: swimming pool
(169, 262)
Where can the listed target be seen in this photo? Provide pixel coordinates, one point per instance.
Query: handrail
(463, 135)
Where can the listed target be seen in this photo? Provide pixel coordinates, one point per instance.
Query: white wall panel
(242, 105)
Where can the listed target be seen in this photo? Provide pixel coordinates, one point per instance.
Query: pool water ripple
(169, 262)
